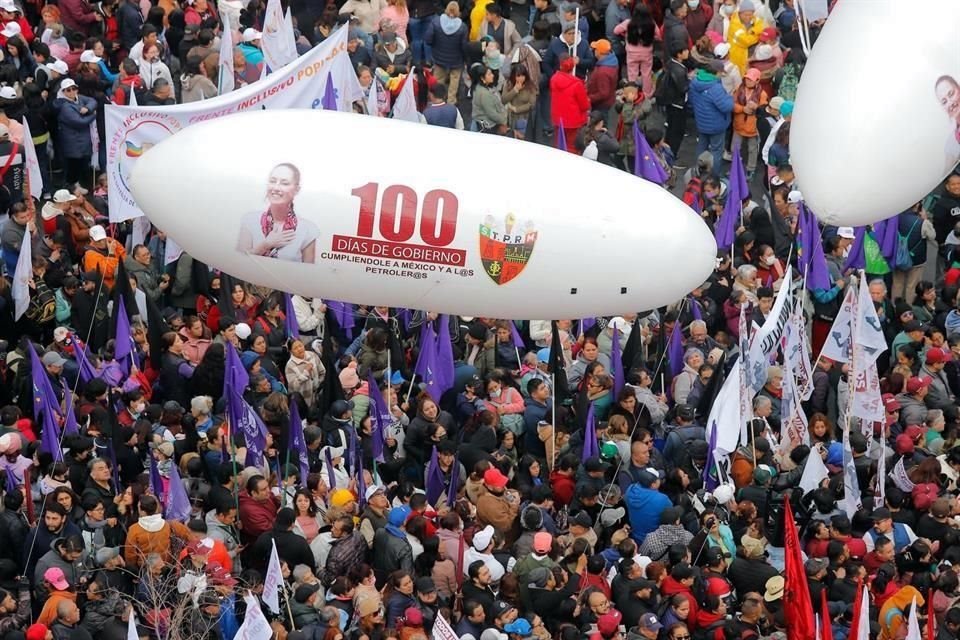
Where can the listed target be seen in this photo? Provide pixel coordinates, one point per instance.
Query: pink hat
(753, 74)
(55, 576)
(715, 38)
(542, 542)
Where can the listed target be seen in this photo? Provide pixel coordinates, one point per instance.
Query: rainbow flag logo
(133, 151)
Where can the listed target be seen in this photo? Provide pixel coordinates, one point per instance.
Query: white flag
(725, 414)
(900, 477)
(33, 164)
(373, 99)
(22, 277)
(273, 581)
(767, 339)
(869, 333)
(255, 625)
(405, 107)
(814, 471)
(277, 42)
(227, 81)
(133, 98)
(442, 629)
(794, 425)
(862, 632)
(837, 346)
(851, 485)
(132, 633)
(171, 251)
(879, 492)
(913, 623)
(139, 231)
(797, 351)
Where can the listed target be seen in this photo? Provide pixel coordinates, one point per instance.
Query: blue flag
(290, 318)
(591, 448)
(379, 418)
(123, 349)
(737, 191)
(178, 502)
(298, 443)
(239, 412)
(856, 259)
(329, 100)
(434, 483)
(616, 362)
(645, 162)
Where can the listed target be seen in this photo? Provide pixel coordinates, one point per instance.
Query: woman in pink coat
(639, 33)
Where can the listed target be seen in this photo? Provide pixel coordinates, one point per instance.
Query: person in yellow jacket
(744, 32)
(477, 17)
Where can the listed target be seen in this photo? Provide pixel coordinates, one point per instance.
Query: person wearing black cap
(302, 606)
(427, 602)
(883, 525)
(637, 598)
(336, 424)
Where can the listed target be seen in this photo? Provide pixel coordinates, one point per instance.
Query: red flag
(858, 611)
(826, 623)
(797, 609)
(931, 617)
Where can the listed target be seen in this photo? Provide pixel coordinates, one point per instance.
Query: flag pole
(553, 411)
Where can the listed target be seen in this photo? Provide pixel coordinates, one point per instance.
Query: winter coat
(712, 105)
(257, 517)
(151, 534)
(129, 23)
(558, 48)
(194, 88)
(345, 552)
(401, 59)
(488, 109)
(569, 105)
(74, 126)
(675, 36)
(147, 280)
(448, 38)
(741, 38)
(511, 37)
(602, 83)
(77, 15)
(291, 548)
(390, 553)
(745, 123)
(366, 11)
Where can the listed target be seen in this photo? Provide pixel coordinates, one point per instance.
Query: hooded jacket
(448, 38)
(196, 87)
(569, 103)
(712, 105)
(602, 83)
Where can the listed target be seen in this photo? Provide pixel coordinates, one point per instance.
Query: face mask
(138, 409)
(693, 4)
(726, 10)
(709, 195)
(495, 394)
(770, 259)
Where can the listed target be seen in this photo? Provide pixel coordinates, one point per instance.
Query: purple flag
(298, 444)
(454, 485)
(43, 395)
(645, 162)
(810, 256)
(434, 480)
(515, 336)
(737, 190)
(591, 448)
(331, 476)
(403, 315)
(329, 100)
(178, 502)
(290, 318)
(886, 237)
(675, 350)
(709, 480)
(695, 308)
(70, 419)
(586, 324)
(856, 258)
(343, 313)
(379, 417)
(224, 453)
(123, 349)
(616, 362)
(156, 482)
(12, 483)
(239, 412)
(445, 368)
(562, 138)
(87, 370)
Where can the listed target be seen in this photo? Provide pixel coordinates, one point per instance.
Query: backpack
(903, 261)
(708, 632)
(788, 82)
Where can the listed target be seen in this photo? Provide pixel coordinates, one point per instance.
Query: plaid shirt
(657, 542)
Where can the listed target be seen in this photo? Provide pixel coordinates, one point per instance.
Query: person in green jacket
(489, 114)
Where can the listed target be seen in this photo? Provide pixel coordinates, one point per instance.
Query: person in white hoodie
(152, 68)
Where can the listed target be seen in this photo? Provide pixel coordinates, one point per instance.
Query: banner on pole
(132, 131)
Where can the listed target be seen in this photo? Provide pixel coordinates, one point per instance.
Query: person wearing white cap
(730, 78)
(8, 96)
(103, 255)
(10, 14)
(75, 114)
(250, 47)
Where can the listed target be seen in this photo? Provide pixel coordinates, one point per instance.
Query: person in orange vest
(103, 255)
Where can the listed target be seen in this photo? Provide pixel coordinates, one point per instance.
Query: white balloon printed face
(863, 146)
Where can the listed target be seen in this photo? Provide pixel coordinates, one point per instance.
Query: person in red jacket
(562, 481)
(258, 509)
(569, 105)
(10, 15)
(603, 80)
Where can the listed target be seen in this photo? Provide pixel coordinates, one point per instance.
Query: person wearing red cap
(939, 395)
(38, 631)
(913, 409)
(499, 507)
(569, 104)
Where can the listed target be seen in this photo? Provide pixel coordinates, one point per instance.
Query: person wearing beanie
(391, 549)
(744, 32)
(747, 101)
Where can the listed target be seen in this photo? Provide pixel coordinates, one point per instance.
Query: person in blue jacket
(712, 109)
(645, 503)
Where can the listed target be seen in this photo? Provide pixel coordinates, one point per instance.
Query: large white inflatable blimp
(377, 211)
(876, 125)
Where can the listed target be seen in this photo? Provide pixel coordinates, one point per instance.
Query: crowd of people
(548, 479)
